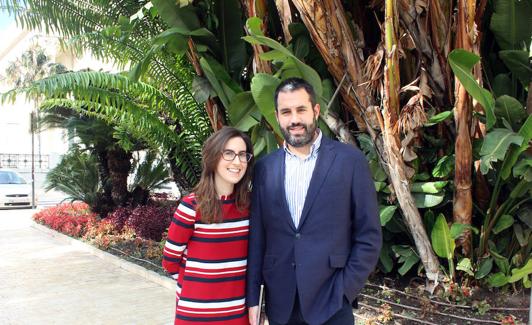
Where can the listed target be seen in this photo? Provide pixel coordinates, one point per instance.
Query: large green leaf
(495, 146)
(176, 16)
(177, 39)
(230, 32)
(502, 85)
(525, 215)
(385, 258)
(271, 141)
(386, 213)
(407, 256)
(241, 111)
(484, 268)
(263, 88)
(522, 188)
(520, 235)
(202, 89)
(509, 162)
(438, 118)
(497, 280)
(410, 261)
(444, 167)
(501, 262)
(254, 26)
(523, 168)
(424, 200)
(519, 63)
(461, 62)
(519, 273)
(429, 187)
(465, 265)
(511, 110)
(291, 63)
(428, 220)
(511, 23)
(442, 243)
(263, 139)
(220, 80)
(504, 222)
(458, 228)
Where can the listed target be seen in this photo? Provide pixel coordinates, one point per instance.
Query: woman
(207, 245)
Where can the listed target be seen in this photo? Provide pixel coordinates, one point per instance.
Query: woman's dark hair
(208, 202)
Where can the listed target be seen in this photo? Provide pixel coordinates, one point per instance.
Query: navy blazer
(333, 250)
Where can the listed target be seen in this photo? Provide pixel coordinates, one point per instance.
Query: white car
(15, 192)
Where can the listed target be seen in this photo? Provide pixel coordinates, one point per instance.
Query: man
(315, 231)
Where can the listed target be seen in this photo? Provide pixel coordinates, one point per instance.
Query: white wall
(15, 136)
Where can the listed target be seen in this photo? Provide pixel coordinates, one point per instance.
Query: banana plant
(505, 160)
(443, 241)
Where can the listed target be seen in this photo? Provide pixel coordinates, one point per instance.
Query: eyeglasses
(230, 155)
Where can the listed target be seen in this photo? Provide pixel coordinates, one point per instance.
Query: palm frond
(77, 176)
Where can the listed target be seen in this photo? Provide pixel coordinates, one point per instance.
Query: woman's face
(232, 164)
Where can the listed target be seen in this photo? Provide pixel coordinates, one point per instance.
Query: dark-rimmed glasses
(229, 155)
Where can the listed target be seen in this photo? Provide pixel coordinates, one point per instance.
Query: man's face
(297, 118)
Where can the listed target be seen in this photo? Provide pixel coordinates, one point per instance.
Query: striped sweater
(209, 262)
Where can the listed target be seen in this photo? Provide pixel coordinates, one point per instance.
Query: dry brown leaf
(373, 69)
(412, 114)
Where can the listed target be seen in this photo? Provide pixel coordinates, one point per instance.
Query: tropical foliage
(447, 134)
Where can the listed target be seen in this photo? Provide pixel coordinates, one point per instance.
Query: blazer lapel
(326, 157)
(278, 187)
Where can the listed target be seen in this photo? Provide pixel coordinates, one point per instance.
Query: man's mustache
(294, 125)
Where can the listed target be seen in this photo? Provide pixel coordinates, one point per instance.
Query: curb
(149, 275)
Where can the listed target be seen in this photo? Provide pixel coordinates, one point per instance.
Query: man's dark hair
(293, 84)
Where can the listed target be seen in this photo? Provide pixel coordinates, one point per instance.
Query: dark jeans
(343, 317)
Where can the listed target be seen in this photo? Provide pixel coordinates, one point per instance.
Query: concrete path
(46, 281)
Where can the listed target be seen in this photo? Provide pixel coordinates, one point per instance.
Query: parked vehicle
(15, 191)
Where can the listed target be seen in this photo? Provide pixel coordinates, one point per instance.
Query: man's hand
(252, 313)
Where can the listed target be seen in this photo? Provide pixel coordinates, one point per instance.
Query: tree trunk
(481, 190)
(392, 143)
(119, 162)
(285, 13)
(331, 34)
(462, 203)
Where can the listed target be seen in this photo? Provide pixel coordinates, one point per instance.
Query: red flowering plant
(72, 219)
(119, 217)
(150, 222)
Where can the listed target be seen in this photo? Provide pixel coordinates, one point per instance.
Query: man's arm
(367, 234)
(256, 244)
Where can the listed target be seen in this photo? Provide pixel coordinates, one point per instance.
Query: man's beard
(303, 139)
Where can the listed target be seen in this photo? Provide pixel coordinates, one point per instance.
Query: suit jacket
(335, 246)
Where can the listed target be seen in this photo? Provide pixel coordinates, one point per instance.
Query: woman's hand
(252, 313)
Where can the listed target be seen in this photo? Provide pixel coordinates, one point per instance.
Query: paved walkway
(46, 281)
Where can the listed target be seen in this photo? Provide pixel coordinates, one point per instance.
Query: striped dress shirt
(298, 172)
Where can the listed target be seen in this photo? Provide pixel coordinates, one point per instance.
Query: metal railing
(19, 161)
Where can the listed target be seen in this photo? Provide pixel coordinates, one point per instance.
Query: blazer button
(298, 235)
(293, 265)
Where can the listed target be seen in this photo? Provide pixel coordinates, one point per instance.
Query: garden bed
(382, 301)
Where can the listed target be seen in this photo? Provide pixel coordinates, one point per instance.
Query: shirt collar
(313, 148)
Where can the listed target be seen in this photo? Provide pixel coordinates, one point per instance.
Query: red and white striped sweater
(209, 262)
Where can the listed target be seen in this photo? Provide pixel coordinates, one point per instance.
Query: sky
(5, 20)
